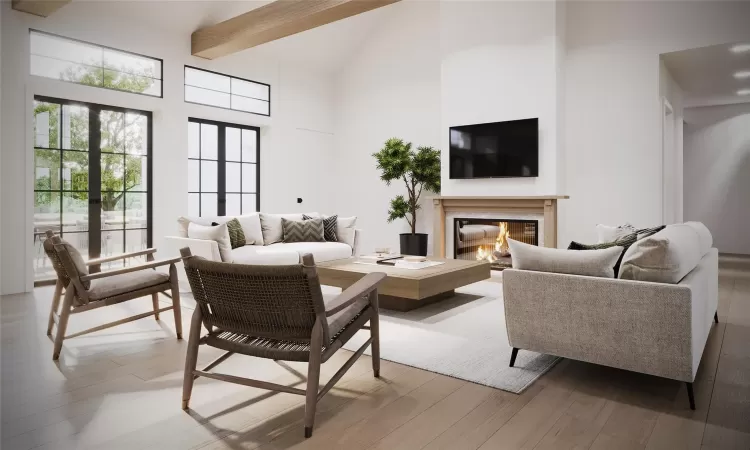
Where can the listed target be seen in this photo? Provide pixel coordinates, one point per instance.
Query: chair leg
(375, 334)
(155, 302)
(62, 325)
(176, 300)
(513, 355)
(313, 377)
(691, 397)
(55, 304)
(716, 317)
(191, 358)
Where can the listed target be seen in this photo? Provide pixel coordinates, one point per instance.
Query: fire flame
(500, 248)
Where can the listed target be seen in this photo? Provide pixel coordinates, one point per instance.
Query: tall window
(214, 89)
(92, 175)
(79, 62)
(223, 168)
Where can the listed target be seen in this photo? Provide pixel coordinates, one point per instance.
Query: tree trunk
(414, 221)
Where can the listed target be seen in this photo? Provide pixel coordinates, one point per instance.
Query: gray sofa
(657, 328)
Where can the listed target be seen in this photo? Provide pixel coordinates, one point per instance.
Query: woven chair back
(277, 302)
(49, 248)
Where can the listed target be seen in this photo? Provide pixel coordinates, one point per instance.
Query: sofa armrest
(199, 247)
(357, 236)
(632, 325)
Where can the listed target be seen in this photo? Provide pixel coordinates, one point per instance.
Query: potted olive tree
(418, 170)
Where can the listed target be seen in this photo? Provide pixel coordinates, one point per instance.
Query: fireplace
(478, 239)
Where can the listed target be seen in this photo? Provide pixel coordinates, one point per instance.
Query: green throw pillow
(236, 235)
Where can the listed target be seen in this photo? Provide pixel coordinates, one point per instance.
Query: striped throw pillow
(330, 224)
(236, 235)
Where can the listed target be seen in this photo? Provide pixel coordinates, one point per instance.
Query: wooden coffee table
(406, 289)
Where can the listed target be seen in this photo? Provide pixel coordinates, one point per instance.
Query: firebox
(487, 239)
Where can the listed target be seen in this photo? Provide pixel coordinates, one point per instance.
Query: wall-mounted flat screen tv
(495, 150)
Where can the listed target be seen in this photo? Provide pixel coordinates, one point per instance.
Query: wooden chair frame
(75, 298)
(321, 345)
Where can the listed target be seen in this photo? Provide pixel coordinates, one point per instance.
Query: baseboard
(734, 261)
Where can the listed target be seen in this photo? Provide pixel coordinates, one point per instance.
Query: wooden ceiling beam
(41, 8)
(274, 21)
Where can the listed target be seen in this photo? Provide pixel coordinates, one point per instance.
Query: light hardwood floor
(120, 389)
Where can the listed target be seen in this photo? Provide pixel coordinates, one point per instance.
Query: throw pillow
(625, 242)
(219, 233)
(303, 230)
(593, 263)
(606, 233)
(271, 227)
(329, 227)
(345, 230)
(236, 235)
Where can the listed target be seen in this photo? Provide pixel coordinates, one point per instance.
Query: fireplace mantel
(539, 204)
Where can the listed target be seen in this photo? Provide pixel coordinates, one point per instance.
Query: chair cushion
(128, 282)
(341, 319)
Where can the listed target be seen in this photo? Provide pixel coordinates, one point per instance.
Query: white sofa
(258, 253)
(658, 326)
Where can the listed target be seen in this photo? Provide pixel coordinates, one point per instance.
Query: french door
(223, 168)
(92, 178)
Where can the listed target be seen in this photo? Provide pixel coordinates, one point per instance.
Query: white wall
(500, 62)
(297, 133)
(391, 87)
(612, 104)
(717, 173)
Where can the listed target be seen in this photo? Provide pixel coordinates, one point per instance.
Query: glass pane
(248, 178)
(194, 180)
(75, 173)
(249, 89)
(75, 127)
(232, 144)
(136, 210)
(209, 141)
(250, 105)
(207, 80)
(57, 69)
(194, 137)
(136, 170)
(194, 205)
(136, 240)
(123, 81)
(75, 211)
(113, 131)
(206, 97)
(79, 240)
(113, 210)
(112, 244)
(46, 169)
(249, 141)
(208, 205)
(233, 177)
(65, 49)
(131, 64)
(136, 134)
(46, 209)
(233, 205)
(113, 172)
(46, 125)
(43, 269)
(249, 203)
(209, 174)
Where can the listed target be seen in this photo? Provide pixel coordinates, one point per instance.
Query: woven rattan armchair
(277, 312)
(85, 291)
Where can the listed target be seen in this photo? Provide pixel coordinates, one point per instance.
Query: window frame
(185, 85)
(140, 55)
(221, 161)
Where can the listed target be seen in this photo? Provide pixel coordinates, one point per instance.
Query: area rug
(462, 337)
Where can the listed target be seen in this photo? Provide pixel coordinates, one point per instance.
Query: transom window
(214, 89)
(80, 62)
(223, 168)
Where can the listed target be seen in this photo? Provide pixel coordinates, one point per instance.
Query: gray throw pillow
(592, 263)
(303, 231)
(330, 224)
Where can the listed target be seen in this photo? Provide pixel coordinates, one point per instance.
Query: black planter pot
(414, 244)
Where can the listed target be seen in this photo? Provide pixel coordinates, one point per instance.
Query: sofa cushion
(607, 233)
(625, 242)
(270, 224)
(127, 282)
(665, 257)
(345, 230)
(310, 230)
(236, 235)
(704, 236)
(219, 233)
(250, 225)
(593, 263)
(280, 253)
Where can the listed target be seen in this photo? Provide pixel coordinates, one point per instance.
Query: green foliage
(120, 133)
(419, 170)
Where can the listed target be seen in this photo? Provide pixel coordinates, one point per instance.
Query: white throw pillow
(665, 257)
(183, 222)
(592, 263)
(607, 233)
(345, 230)
(251, 227)
(219, 233)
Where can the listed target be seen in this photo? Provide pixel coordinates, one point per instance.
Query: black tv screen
(495, 150)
